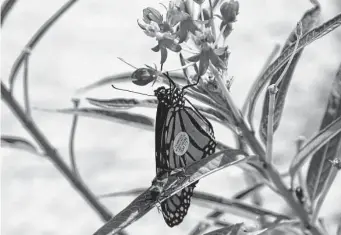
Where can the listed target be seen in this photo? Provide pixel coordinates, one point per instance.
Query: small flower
(155, 27)
(143, 76)
(187, 25)
(176, 13)
(207, 54)
(164, 44)
(229, 12)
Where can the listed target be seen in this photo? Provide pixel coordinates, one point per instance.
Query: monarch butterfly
(182, 136)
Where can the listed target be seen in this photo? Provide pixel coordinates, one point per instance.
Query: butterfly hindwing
(175, 208)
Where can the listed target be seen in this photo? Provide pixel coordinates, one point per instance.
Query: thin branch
(6, 7)
(330, 180)
(35, 39)
(272, 91)
(72, 138)
(25, 83)
(265, 66)
(52, 154)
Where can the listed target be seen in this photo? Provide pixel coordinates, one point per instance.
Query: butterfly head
(171, 97)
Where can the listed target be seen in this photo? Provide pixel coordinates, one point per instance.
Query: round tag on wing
(181, 143)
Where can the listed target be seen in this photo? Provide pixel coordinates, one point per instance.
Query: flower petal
(216, 61)
(163, 55)
(204, 62)
(156, 48)
(194, 58)
(170, 44)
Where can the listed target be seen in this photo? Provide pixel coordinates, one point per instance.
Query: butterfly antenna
(169, 79)
(121, 59)
(193, 84)
(120, 89)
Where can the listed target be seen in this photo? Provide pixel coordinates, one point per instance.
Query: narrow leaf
(137, 120)
(230, 230)
(320, 164)
(6, 7)
(314, 144)
(122, 103)
(308, 38)
(122, 77)
(17, 143)
(276, 226)
(308, 21)
(242, 194)
(145, 202)
(223, 204)
(201, 227)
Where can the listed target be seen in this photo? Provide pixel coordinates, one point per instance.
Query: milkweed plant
(197, 32)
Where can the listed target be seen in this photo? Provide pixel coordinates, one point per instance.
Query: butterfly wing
(162, 162)
(187, 137)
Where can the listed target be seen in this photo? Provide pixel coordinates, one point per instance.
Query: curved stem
(52, 154)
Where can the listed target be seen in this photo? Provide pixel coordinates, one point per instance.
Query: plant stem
(330, 180)
(35, 39)
(6, 8)
(72, 138)
(25, 83)
(52, 154)
(272, 91)
(276, 179)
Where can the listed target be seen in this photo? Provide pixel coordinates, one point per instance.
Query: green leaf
(122, 77)
(230, 230)
(211, 219)
(131, 119)
(314, 144)
(242, 194)
(320, 165)
(18, 143)
(284, 225)
(308, 21)
(144, 203)
(122, 103)
(308, 38)
(222, 204)
(200, 228)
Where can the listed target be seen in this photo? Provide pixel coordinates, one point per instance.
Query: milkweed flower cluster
(183, 30)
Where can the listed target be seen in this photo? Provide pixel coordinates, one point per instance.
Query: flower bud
(229, 11)
(151, 14)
